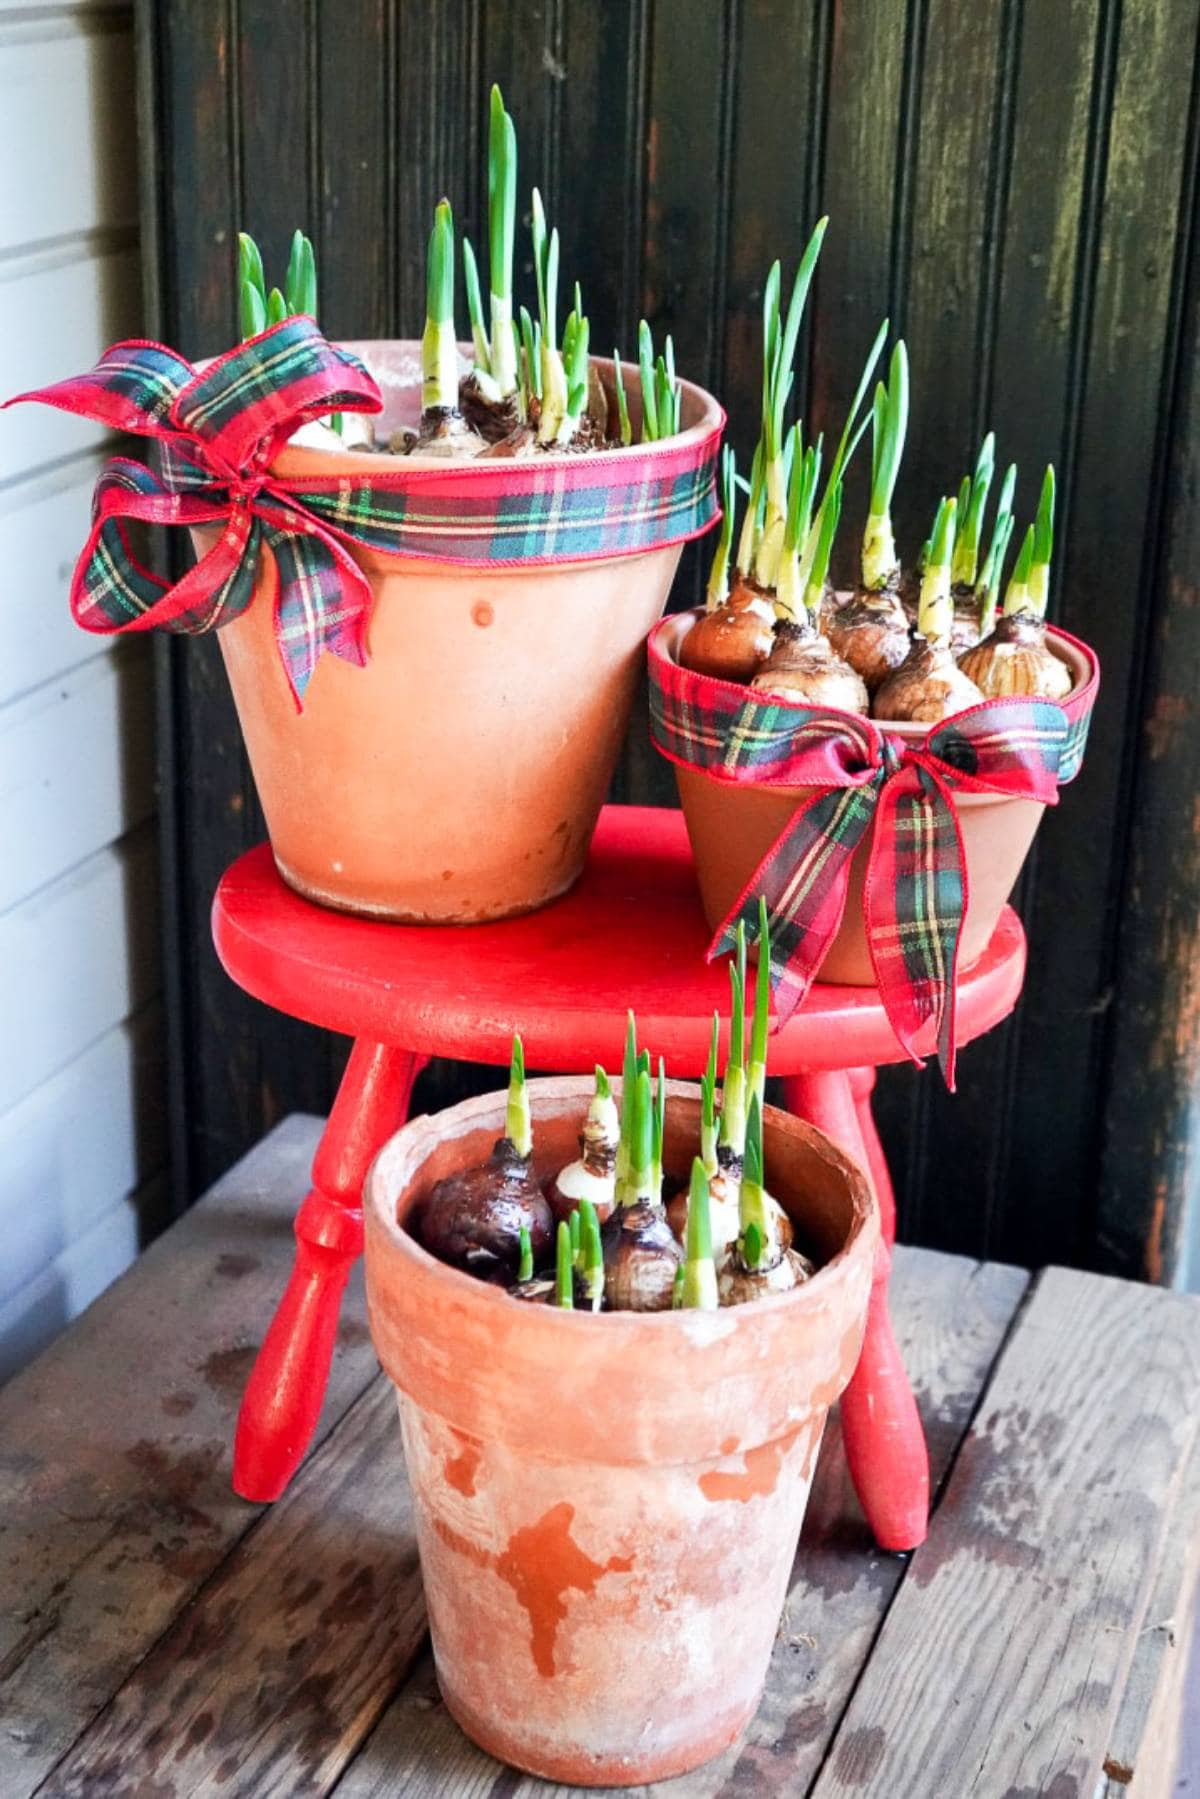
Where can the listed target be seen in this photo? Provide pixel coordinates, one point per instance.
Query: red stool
(631, 933)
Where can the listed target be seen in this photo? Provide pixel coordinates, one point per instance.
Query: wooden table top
(160, 1636)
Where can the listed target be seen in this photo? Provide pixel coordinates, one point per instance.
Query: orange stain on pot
(460, 1469)
(757, 1477)
(541, 1564)
(483, 612)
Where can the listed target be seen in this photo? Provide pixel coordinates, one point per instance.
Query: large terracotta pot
(459, 775)
(731, 828)
(608, 1507)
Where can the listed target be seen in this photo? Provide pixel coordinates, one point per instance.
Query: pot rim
(404, 1154)
(689, 444)
(669, 632)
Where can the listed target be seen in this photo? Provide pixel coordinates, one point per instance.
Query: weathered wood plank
(115, 1503)
(1143, 1749)
(1001, 1664)
(273, 1675)
(951, 1318)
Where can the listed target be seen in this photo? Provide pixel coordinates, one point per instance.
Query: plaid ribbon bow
(219, 431)
(915, 895)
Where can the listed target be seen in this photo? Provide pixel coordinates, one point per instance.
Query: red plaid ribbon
(915, 894)
(219, 431)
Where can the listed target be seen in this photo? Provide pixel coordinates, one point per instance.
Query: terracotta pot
(731, 828)
(607, 1507)
(459, 775)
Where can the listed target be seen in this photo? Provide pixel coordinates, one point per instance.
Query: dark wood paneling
(1013, 184)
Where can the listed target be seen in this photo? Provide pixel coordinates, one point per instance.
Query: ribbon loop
(860, 776)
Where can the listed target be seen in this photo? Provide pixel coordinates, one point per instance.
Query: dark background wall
(1014, 184)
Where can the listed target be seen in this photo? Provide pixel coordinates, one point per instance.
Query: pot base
(570, 1769)
(391, 913)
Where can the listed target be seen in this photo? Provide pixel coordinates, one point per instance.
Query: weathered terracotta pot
(459, 775)
(608, 1507)
(731, 828)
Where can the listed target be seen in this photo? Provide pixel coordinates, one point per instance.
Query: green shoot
(1043, 546)
(650, 431)
(591, 1254)
(718, 574)
(518, 1126)
(677, 1288)
(760, 1025)
(479, 336)
(970, 515)
(624, 1163)
(667, 401)
(277, 309)
(987, 588)
(531, 346)
(699, 1270)
(935, 614)
(252, 287)
(300, 285)
(439, 351)
(575, 363)
(641, 1147)
(1018, 597)
(603, 1089)
(502, 216)
(889, 426)
(554, 394)
(564, 1270)
(622, 403)
(525, 1265)
(752, 1200)
(755, 513)
(708, 1103)
(852, 432)
(831, 512)
(733, 1094)
(802, 490)
(573, 1225)
(780, 336)
(659, 1124)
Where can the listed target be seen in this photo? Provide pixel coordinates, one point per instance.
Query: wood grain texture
(951, 1318)
(1001, 1664)
(115, 1503)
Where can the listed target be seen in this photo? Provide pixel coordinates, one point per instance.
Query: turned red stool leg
(881, 1427)
(283, 1396)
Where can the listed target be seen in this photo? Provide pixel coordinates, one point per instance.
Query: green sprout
(659, 1123)
(479, 336)
(889, 426)
(805, 471)
(573, 1223)
(831, 512)
(718, 574)
(300, 284)
(935, 614)
(525, 1265)
(439, 350)
(277, 307)
(987, 588)
(733, 1093)
(591, 1254)
(756, 506)
(603, 1086)
(502, 217)
(624, 1164)
(641, 1146)
(575, 366)
(252, 289)
(754, 1223)
(626, 429)
(852, 434)
(518, 1127)
(1018, 598)
(761, 1022)
(649, 389)
(699, 1270)
(564, 1270)
(1043, 546)
(780, 336)
(708, 1103)
(971, 505)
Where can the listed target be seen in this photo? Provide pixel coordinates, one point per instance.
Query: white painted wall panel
(43, 525)
(68, 122)
(57, 316)
(76, 768)
(77, 1145)
(77, 958)
(33, 1317)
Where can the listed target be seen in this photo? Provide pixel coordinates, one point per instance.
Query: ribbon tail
(915, 900)
(323, 603)
(804, 879)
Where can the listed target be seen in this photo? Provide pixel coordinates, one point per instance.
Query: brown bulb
(733, 640)
(964, 632)
(738, 1285)
(640, 1259)
(803, 667)
(927, 687)
(870, 632)
(494, 420)
(473, 1220)
(444, 432)
(1015, 659)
